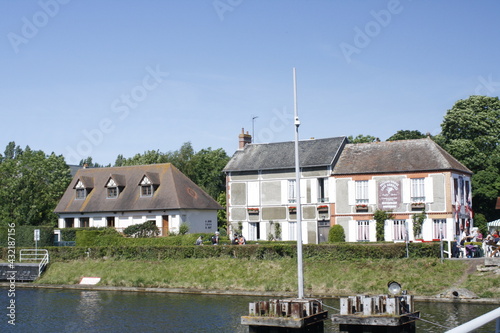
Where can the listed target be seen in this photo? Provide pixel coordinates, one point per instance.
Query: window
(146, 187)
(84, 222)
(112, 189)
(417, 190)
(253, 231)
(69, 222)
(322, 189)
(399, 230)
(361, 192)
(292, 196)
(146, 190)
(363, 231)
(81, 192)
(112, 192)
(110, 221)
(439, 229)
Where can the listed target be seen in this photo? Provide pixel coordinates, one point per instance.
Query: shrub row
(259, 252)
(23, 236)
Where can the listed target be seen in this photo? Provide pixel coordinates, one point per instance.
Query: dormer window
(146, 187)
(112, 192)
(112, 189)
(81, 192)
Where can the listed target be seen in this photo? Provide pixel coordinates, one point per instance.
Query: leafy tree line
(31, 184)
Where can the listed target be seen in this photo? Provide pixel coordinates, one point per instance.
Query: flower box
(253, 210)
(323, 208)
(292, 210)
(361, 207)
(417, 205)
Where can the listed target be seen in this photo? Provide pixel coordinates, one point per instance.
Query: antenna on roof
(253, 132)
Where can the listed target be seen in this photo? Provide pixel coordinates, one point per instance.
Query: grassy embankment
(425, 277)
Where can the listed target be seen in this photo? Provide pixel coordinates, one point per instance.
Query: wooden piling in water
(285, 315)
(377, 314)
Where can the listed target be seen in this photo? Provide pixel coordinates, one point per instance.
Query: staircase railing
(41, 256)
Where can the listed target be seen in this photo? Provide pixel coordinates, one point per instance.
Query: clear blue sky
(103, 78)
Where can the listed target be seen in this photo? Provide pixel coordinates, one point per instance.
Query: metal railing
(41, 256)
(478, 322)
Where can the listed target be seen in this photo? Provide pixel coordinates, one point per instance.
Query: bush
(102, 237)
(143, 230)
(69, 234)
(336, 234)
(183, 229)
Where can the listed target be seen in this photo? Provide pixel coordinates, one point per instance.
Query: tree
(406, 135)
(362, 139)
(205, 169)
(471, 133)
(88, 163)
(31, 184)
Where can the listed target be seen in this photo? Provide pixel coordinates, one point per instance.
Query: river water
(56, 310)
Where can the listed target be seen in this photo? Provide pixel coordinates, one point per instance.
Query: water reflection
(51, 310)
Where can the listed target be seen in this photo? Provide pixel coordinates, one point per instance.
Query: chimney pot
(244, 139)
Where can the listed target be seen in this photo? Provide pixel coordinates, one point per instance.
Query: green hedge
(24, 236)
(341, 251)
(69, 234)
(105, 237)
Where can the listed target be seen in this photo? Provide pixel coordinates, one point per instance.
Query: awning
(493, 224)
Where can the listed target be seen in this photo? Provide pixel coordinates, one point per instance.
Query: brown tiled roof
(396, 156)
(173, 190)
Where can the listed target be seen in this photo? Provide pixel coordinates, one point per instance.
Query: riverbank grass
(426, 277)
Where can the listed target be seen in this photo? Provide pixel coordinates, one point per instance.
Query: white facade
(198, 221)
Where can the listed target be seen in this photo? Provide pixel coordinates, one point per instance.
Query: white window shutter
(351, 189)
(314, 190)
(332, 190)
(253, 193)
(429, 189)
(372, 192)
(406, 190)
(284, 192)
(303, 190)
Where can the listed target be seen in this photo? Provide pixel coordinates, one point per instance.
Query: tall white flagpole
(300, 269)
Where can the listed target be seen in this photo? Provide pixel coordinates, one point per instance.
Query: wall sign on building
(389, 194)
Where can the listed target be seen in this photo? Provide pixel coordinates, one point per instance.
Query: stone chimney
(244, 139)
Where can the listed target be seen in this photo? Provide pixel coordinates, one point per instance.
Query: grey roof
(396, 156)
(281, 155)
(173, 190)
